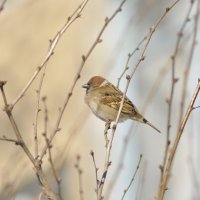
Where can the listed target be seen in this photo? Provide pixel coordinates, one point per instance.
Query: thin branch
(57, 178)
(189, 63)
(133, 178)
(53, 43)
(4, 138)
(38, 92)
(14, 125)
(80, 172)
(149, 36)
(107, 162)
(182, 122)
(96, 172)
(166, 173)
(128, 77)
(173, 82)
(2, 5)
(150, 96)
(119, 166)
(20, 141)
(78, 74)
(46, 118)
(53, 168)
(196, 107)
(130, 55)
(142, 179)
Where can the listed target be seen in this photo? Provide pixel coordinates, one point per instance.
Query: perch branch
(107, 162)
(78, 74)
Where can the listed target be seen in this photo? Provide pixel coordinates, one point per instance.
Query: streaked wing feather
(113, 97)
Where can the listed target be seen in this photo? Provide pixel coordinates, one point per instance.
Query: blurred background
(26, 26)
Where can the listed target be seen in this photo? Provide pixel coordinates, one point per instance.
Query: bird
(104, 99)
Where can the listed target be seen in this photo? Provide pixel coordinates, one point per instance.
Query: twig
(80, 172)
(148, 99)
(196, 107)
(128, 77)
(167, 170)
(35, 125)
(173, 82)
(20, 141)
(14, 125)
(57, 178)
(189, 63)
(53, 43)
(2, 5)
(78, 74)
(149, 36)
(141, 183)
(130, 55)
(96, 172)
(107, 162)
(46, 118)
(4, 138)
(119, 166)
(133, 178)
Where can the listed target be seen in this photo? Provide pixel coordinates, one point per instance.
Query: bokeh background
(26, 26)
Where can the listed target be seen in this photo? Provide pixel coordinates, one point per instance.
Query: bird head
(93, 83)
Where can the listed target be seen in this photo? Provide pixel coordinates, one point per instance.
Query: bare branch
(80, 172)
(38, 92)
(78, 74)
(20, 141)
(96, 172)
(53, 43)
(14, 125)
(133, 178)
(128, 77)
(53, 168)
(4, 138)
(149, 36)
(189, 63)
(2, 5)
(173, 82)
(130, 55)
(170, 160)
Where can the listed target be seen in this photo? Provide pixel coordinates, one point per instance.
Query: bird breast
(102, 111)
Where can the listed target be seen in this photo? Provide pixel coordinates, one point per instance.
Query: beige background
(25, 30)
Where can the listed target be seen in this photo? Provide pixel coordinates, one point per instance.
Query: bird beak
(86, 86)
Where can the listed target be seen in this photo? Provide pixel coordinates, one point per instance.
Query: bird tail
(140, 118)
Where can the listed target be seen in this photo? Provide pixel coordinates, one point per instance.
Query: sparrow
(104, 99)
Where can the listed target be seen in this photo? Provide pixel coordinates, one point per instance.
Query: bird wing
(113, 97)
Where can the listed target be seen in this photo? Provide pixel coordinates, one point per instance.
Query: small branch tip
(2, 83)
(92, 153)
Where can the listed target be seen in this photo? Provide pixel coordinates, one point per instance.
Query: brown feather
(112, 97)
